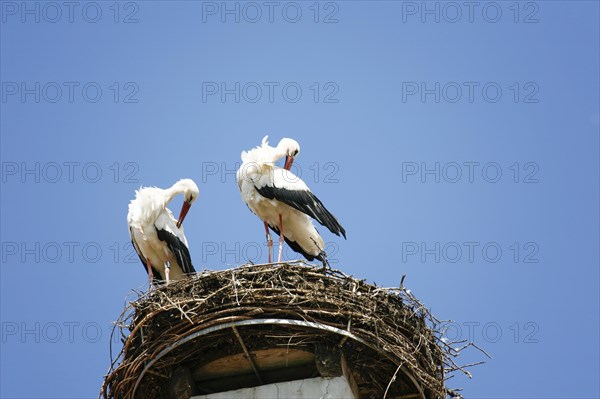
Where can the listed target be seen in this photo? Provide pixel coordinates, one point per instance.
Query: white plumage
(155, 234)
(282, 200)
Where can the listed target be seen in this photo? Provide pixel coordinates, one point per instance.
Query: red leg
(150, 274)
(269, 242)
(280, 238)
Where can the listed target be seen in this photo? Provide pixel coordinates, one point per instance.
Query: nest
(389, 340)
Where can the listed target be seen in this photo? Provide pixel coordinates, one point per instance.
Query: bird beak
(184, 210)
(289, 160)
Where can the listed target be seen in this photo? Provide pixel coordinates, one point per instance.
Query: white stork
(156, 236)
(283, 201)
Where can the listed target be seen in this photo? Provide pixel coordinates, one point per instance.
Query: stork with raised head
(283, 201)
(156, 236)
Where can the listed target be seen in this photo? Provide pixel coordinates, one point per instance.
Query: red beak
(184, 210)
(289, 160)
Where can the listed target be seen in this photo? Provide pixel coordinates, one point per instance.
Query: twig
(392, 380)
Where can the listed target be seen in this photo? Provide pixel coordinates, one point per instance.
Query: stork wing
(284, 186)
(156, 275)
(180, 251)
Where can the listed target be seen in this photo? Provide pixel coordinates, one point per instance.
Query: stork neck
(170, 193)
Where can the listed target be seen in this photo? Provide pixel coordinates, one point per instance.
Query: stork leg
(167, 270)
(150, 274)
(269, 243)
(280, 238)
(324, 260)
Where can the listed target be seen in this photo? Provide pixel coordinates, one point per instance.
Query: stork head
(190, 192)
(290, 149)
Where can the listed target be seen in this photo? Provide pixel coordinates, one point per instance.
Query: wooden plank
(249, 380)
(248, 355)
(265, 359)
(349, 374)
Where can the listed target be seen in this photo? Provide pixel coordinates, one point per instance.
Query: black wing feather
(296, 247)
(155, 273)
(306, 202)
(179, 250)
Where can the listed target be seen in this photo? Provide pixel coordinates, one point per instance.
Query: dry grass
(391, 340)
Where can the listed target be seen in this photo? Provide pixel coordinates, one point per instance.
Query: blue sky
(457, 144)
